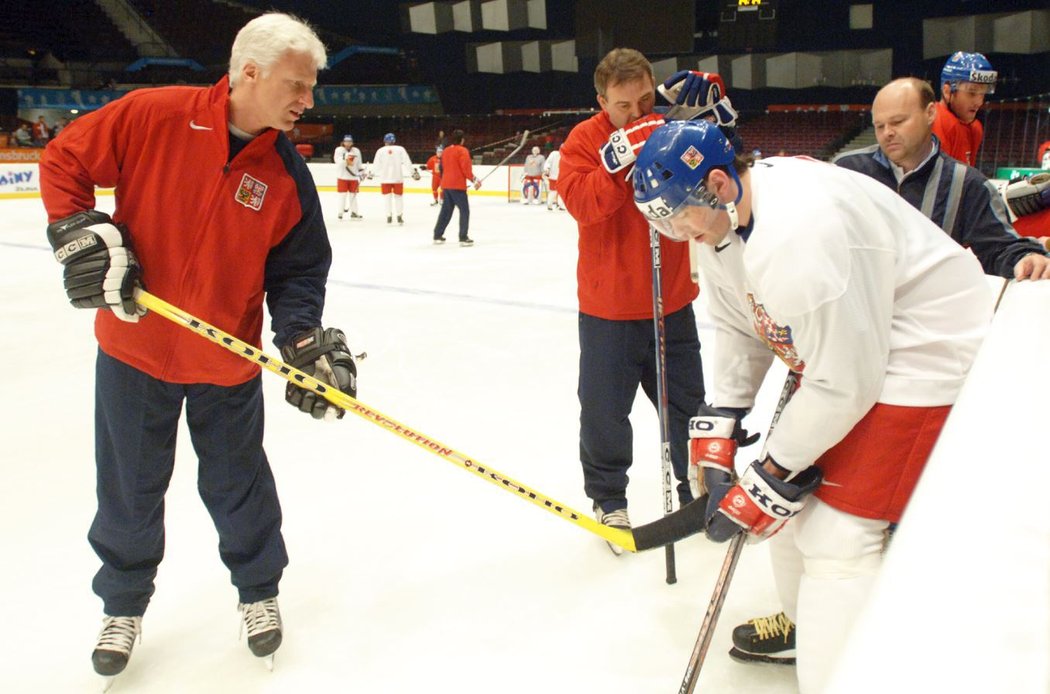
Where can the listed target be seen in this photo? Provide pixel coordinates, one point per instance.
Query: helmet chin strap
(734, 219)
(730, 207)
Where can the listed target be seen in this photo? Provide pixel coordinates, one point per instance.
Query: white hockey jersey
(347, 163)
(852, 287)
(550, 169)
(391, 164)
(534, 165)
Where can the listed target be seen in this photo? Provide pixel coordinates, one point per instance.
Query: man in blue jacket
(958, 198)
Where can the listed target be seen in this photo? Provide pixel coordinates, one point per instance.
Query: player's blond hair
(621, 65)
(266, 38)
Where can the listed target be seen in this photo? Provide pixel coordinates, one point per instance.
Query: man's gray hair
(269, 36)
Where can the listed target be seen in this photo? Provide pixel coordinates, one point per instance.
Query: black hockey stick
(736, 545)
(661, 397)
(524, 138)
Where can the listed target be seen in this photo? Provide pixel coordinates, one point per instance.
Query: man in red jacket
(240, 220)
(614, 275)
(456, 170)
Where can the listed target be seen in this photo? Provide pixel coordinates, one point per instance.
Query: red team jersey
(456, 169)
(614, 270)
(206, 250)
(958, 140)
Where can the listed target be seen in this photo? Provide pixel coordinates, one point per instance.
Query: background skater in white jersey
(347, 160)
(550, 172)
(878, 311)
(532, 177)
(389, 167)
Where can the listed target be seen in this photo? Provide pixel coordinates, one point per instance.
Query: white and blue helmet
(389, 138)
(669, 172)
(968, 67)
(348, 138)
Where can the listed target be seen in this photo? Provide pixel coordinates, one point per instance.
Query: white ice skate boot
(614, 519)
(262, 622)
(113, 648)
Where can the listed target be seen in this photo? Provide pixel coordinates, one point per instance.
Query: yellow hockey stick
(623, 538)
(670, 528)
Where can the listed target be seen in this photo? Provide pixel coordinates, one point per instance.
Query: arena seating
(78, 31)
(1012, 134)
(815, 133)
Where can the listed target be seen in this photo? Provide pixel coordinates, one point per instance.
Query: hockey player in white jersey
(550, 172)
(389, 166)
(347, 160)
(532, 176)
(878, 310)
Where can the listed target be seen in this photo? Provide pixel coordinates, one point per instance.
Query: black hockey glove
(324, 355)
(101, 270)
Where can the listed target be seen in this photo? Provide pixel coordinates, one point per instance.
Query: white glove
(624, 144)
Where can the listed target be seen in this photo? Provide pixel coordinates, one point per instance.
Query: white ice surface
(407, 573)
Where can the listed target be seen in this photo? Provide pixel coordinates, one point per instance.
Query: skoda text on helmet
(968, 67)
(670, 170)
(389, 138)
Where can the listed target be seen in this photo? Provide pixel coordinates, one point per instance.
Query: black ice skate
(113, 648)
(262, 622)
(400, 220)
(765, 640)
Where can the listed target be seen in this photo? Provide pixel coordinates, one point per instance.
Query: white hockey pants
(825, 562)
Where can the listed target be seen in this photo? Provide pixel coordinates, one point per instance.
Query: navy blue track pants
(136, 418)
(615, 358)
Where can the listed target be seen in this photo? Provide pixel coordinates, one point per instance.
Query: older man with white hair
(214, 211)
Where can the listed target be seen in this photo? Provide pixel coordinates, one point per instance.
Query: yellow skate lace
(775, 626)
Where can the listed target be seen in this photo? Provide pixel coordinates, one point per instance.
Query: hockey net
(515, 181)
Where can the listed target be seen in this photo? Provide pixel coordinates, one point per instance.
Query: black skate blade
(748, 658)
(673, 527)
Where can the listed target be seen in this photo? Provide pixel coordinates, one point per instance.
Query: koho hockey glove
(624, 144)
(101, 271)
(324, 355)
(759, 503)
(714, 435)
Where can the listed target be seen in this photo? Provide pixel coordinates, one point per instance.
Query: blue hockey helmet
(439, 149)
(348, 138)
(968, 67)
(389, 138)
(669, 172)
